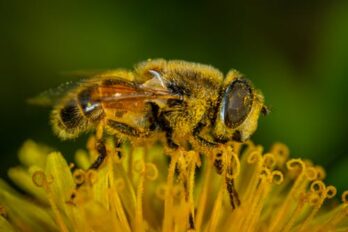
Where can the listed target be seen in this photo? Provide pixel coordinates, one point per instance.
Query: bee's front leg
(229, 181)
(168, 130)
(196, 134)
(232, 192)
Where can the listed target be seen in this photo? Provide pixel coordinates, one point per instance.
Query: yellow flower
(146, 190)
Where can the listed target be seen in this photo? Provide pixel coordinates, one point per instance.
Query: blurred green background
(296, 52)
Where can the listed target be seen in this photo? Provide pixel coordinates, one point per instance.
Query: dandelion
(231, 188)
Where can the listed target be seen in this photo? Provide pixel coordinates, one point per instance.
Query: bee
(190, 104)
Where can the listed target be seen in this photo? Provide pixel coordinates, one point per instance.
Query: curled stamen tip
(161, 191)
(254, 157)
(281, 150)
(151, 171)
(265, 173)
(295, 164)
(345, 197)
(91, 176)
(39, 179)
(79, 176)
(315, 200)
(331, 191)
(317, 186)
(277, 177)
(311, 173)
(139, 166)
(269, 160)
(321, 174)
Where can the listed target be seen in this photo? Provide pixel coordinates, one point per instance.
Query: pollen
(151, 188)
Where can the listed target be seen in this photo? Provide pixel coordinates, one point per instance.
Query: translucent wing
(52, 96)
(116, 91)
(112, 88)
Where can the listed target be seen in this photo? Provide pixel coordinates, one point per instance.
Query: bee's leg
(100, 146)
(169, 138)
(218, 163)
(196, 134)
(233, 194)
(231, 189)
(95, 165)
(117, 143)
(230, 186)
(161, 122)
(126, 129)
(164, 125)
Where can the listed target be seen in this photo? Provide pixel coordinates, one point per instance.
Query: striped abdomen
(77, 113)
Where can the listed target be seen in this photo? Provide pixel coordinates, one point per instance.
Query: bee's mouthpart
(237, 136)
(265, 110)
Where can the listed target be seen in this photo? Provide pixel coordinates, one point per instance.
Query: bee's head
(239, 109)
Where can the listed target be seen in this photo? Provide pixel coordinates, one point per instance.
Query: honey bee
(191, 104)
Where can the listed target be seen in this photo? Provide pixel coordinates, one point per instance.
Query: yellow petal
(32, 153)
(5, 225)
(82, 159)
(62, 184)
(23, 179)
(25, 214)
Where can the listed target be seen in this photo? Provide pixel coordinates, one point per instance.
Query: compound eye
(237, 103)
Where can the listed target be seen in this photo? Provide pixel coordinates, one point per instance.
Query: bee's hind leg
(100, 147)
(102, 154)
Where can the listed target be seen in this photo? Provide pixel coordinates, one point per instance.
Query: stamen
(269, 160)
(345, 197)
(331, 191)
(201, 206)
(79, 176)
(151, 171)
(281, 152)
(161, 191)
(140, 167)
(91, 176)
(277, 177)
(317, 187)
(120, 184)
(114, 198)
(168, 202)
(41, 180)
